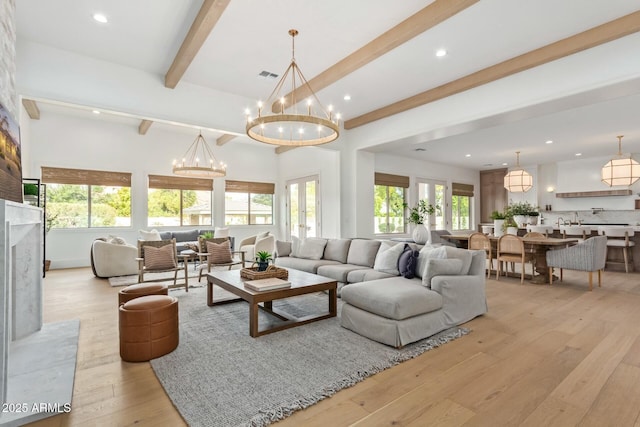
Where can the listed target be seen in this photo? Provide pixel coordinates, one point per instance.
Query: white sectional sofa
(381, 304)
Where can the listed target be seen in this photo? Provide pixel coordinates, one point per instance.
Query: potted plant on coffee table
(262, 259)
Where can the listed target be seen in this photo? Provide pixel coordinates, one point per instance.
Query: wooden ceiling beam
(32, 108)
(201, 27)
(144, 127)
(604, 33)
(224, 139)
(428, 17)
(284, 148)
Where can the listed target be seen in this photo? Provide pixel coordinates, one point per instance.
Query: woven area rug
(220, 376)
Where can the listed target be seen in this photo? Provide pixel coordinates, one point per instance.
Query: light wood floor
(542, 356)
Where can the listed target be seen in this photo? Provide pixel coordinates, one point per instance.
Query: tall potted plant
(419, 216)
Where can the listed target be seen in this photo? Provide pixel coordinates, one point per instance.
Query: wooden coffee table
(301, 283)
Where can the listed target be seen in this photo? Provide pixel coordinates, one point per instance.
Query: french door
(303, 207)
(433, 192)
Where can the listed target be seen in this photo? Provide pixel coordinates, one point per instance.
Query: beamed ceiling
(382, 54)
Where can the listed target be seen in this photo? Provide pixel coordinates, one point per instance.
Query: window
(389, 198)
(79, 198)
(461, 195)
(248, 203)
(177, 201)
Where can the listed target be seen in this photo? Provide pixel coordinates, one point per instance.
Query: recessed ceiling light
(441, 52)
(100, 17)
(578, 154)
(549, 142)
(95, 112)
(505, 164)
(347, 97)
(467, 155)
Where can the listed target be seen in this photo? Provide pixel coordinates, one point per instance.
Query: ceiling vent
(267, 75)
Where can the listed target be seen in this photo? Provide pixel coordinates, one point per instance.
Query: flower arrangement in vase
(419, 215)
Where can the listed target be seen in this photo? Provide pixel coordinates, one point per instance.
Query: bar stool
(618, 237)
(544, 229)
(579, 231)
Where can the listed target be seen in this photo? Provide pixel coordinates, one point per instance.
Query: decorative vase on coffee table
(420, 234)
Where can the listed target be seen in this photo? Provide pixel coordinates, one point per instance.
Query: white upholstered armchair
(590, 255)
(254, 244)
(110, 259)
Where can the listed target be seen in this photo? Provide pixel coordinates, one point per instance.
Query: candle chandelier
(518, 180)
(620, 170)
(199, 161)
(278, 121)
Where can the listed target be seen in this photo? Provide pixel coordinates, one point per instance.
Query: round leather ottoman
(148, 327)
(141, 290)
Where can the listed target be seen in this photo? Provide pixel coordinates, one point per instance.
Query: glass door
(434, 193)
(303, 207)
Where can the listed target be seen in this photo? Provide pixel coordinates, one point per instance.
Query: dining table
(538, 245)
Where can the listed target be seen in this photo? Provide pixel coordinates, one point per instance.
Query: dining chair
(618, 237)
(480, 241)
(535, 235)
(160, 256)
(590, 255)
(579, 231)
(216, 252)
(511, 249)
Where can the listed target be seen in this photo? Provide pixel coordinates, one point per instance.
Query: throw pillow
(283, 248)
(221, 232)
(428, 252)
(150, 236)
(219, 253)
(162, 258)
(295, 247)
(408, 262)
(387, 257)
(440, 267)
(115, 240)
(463, 255)
(311, 248)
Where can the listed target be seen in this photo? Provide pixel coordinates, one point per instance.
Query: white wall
(89, 143)
(307, 161)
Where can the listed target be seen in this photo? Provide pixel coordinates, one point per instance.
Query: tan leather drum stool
(141, 290)
(148, 327)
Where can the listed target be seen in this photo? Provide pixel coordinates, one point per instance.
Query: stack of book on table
(268, 284)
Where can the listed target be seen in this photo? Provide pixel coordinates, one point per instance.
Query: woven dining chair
(480, 241)
(511, 249)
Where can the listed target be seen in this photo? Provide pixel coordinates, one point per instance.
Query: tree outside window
(80, 206)
(389, 209)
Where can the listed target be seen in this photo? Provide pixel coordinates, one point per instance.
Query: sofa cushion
(151, 236)
(363, 252)
(165, 235)
(115, 240)
(387, 257)
(283, 248)
(366, 274)
(441, 267)
(408, 262)
(394, 298)
(426, 253)
(311, 248)
(337, 250)
(338, 271)
(186, 235)
(308, 265)
(462, 254)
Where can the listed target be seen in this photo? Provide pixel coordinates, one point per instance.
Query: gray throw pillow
(283, 248)
(440, 267)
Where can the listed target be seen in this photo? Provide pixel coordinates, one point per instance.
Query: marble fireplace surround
(37, 361)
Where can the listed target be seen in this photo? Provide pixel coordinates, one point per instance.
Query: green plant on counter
(520, 208)
(498, 215)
